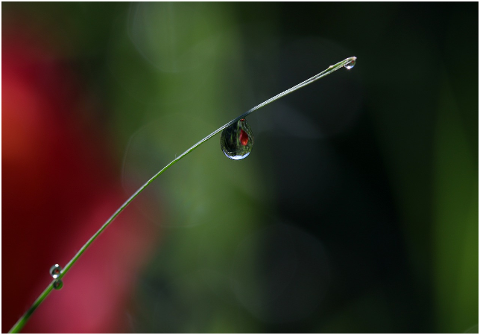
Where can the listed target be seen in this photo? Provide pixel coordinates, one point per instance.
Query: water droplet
(237, 140)
(351, 63)
(55, 271)
(58, 284)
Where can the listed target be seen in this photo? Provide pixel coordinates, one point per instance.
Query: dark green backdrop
(357, 210)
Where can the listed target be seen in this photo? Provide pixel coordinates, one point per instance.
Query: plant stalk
(24, 318)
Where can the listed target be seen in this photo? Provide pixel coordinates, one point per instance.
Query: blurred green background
(357, 210)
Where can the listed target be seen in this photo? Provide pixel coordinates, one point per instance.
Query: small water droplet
(55, 271)
(351, 63)
(236, 141)
(58, 284)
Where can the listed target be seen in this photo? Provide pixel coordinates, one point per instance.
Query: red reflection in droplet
(243, 137)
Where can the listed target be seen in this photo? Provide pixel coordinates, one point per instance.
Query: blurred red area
(59, 185)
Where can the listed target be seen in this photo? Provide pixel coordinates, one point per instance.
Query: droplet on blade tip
(351, 63)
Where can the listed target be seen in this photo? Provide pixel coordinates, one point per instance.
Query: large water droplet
(55, 271)
(236, 141)
(58, 284)
(351, 63)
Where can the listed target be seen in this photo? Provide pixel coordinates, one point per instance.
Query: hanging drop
(236, 140)
(58, 284)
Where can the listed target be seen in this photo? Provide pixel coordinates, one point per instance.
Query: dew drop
(236, 140)
(351, 63)
(58, 284)
(55, 271)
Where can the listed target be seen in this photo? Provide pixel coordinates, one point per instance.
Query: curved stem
(23, 320)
